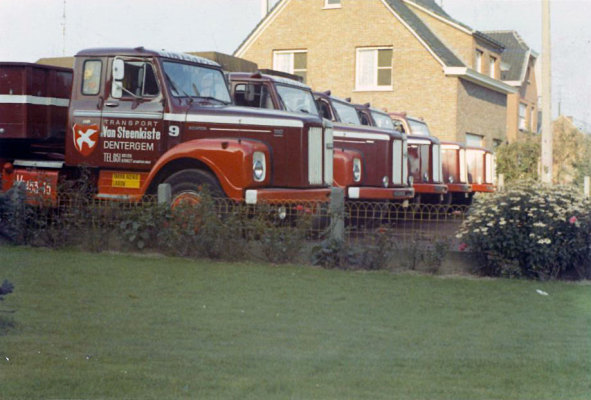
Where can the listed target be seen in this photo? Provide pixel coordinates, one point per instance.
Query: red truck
(137, 118)
(424, 160)
(364, 158)
(481, 167)
(417, 128)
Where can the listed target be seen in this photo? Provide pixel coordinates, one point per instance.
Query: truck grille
(463, 171)
(328, 156)
(437, 168)
(397, 158)
(315, 153)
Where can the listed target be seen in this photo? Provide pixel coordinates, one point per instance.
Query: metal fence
(80, 218)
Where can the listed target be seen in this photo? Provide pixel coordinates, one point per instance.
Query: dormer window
(478, 60)
(492, 67)
(332, 3)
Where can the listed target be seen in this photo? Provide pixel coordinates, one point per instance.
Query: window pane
(333, 2)
(473, 140)
(299, 60)
(385, 58)
(283, 62)
(303, 74)
(384, 77)
(92, 77)
(366, 68)
(150, 82)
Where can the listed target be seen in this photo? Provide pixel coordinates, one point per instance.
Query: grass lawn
(98, 326)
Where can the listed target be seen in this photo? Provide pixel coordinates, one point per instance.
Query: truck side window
(252, 95)
(398, 126)
(139, 80)
(363, 118)
(324, 109)
(91, 80)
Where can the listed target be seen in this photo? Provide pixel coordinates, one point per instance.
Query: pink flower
(462, 246)
(572, 219)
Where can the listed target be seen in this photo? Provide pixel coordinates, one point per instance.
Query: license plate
(40, 186)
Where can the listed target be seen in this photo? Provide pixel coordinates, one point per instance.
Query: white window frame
(522, 117)
(374, 86)
(327, 5)
(291, 53)
(492, 63)
(532, 128)
(478, 54)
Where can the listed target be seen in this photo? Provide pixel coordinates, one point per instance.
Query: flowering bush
(530, 230)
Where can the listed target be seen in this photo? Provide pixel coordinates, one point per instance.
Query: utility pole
(546, 96)
(64, 31)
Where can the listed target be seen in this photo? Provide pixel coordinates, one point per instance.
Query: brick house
(519, 62)
(401, 55)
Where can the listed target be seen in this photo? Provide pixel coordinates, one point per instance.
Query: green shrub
(530, 231)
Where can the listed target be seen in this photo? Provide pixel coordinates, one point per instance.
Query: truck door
(132, 115)
(83, 135)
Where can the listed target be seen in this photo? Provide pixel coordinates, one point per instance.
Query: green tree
(519, 160)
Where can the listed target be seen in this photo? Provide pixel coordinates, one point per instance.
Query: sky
(32, 29)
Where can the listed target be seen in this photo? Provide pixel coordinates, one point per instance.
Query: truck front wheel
(187, 186)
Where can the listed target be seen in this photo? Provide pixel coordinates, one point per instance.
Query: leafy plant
(530, 230)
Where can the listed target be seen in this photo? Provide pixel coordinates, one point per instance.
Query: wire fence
(223, 228)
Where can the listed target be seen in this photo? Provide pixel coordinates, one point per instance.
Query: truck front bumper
(378, 193)
(280, 195)
(459, 187)
(484, 187)
(430, 188)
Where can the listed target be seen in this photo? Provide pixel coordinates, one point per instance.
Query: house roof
(516, 54)
(433, 7)
(428, 37)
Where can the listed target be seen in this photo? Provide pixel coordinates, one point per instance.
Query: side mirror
(118, 69)
(116, 89)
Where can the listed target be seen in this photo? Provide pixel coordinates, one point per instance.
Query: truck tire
(187, 185)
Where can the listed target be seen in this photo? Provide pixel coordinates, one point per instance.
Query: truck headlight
(259, 167)
(411, 180)
(425, 177)
(356, 169)
(451, 179)
(385, 181)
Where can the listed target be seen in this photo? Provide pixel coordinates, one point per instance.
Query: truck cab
(424, 158)
(384, 151)
(353, 171)
(139, 117)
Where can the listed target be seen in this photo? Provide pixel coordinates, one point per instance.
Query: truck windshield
(297, 100)
(419, 127)
(382, 120)
(347, 112)
(188, 80)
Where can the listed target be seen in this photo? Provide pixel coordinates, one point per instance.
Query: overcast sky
(31, 29)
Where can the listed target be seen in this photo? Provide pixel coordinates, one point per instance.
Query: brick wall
(482, 112)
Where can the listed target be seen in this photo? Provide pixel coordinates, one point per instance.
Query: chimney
(264, 8)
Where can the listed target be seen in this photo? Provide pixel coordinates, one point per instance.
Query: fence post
(586, 186)
(164, 194)
(337, 214)
(501, 182)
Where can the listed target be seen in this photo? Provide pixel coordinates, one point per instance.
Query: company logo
(86, 138)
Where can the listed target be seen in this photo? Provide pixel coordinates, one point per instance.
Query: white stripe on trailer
(34, 100)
